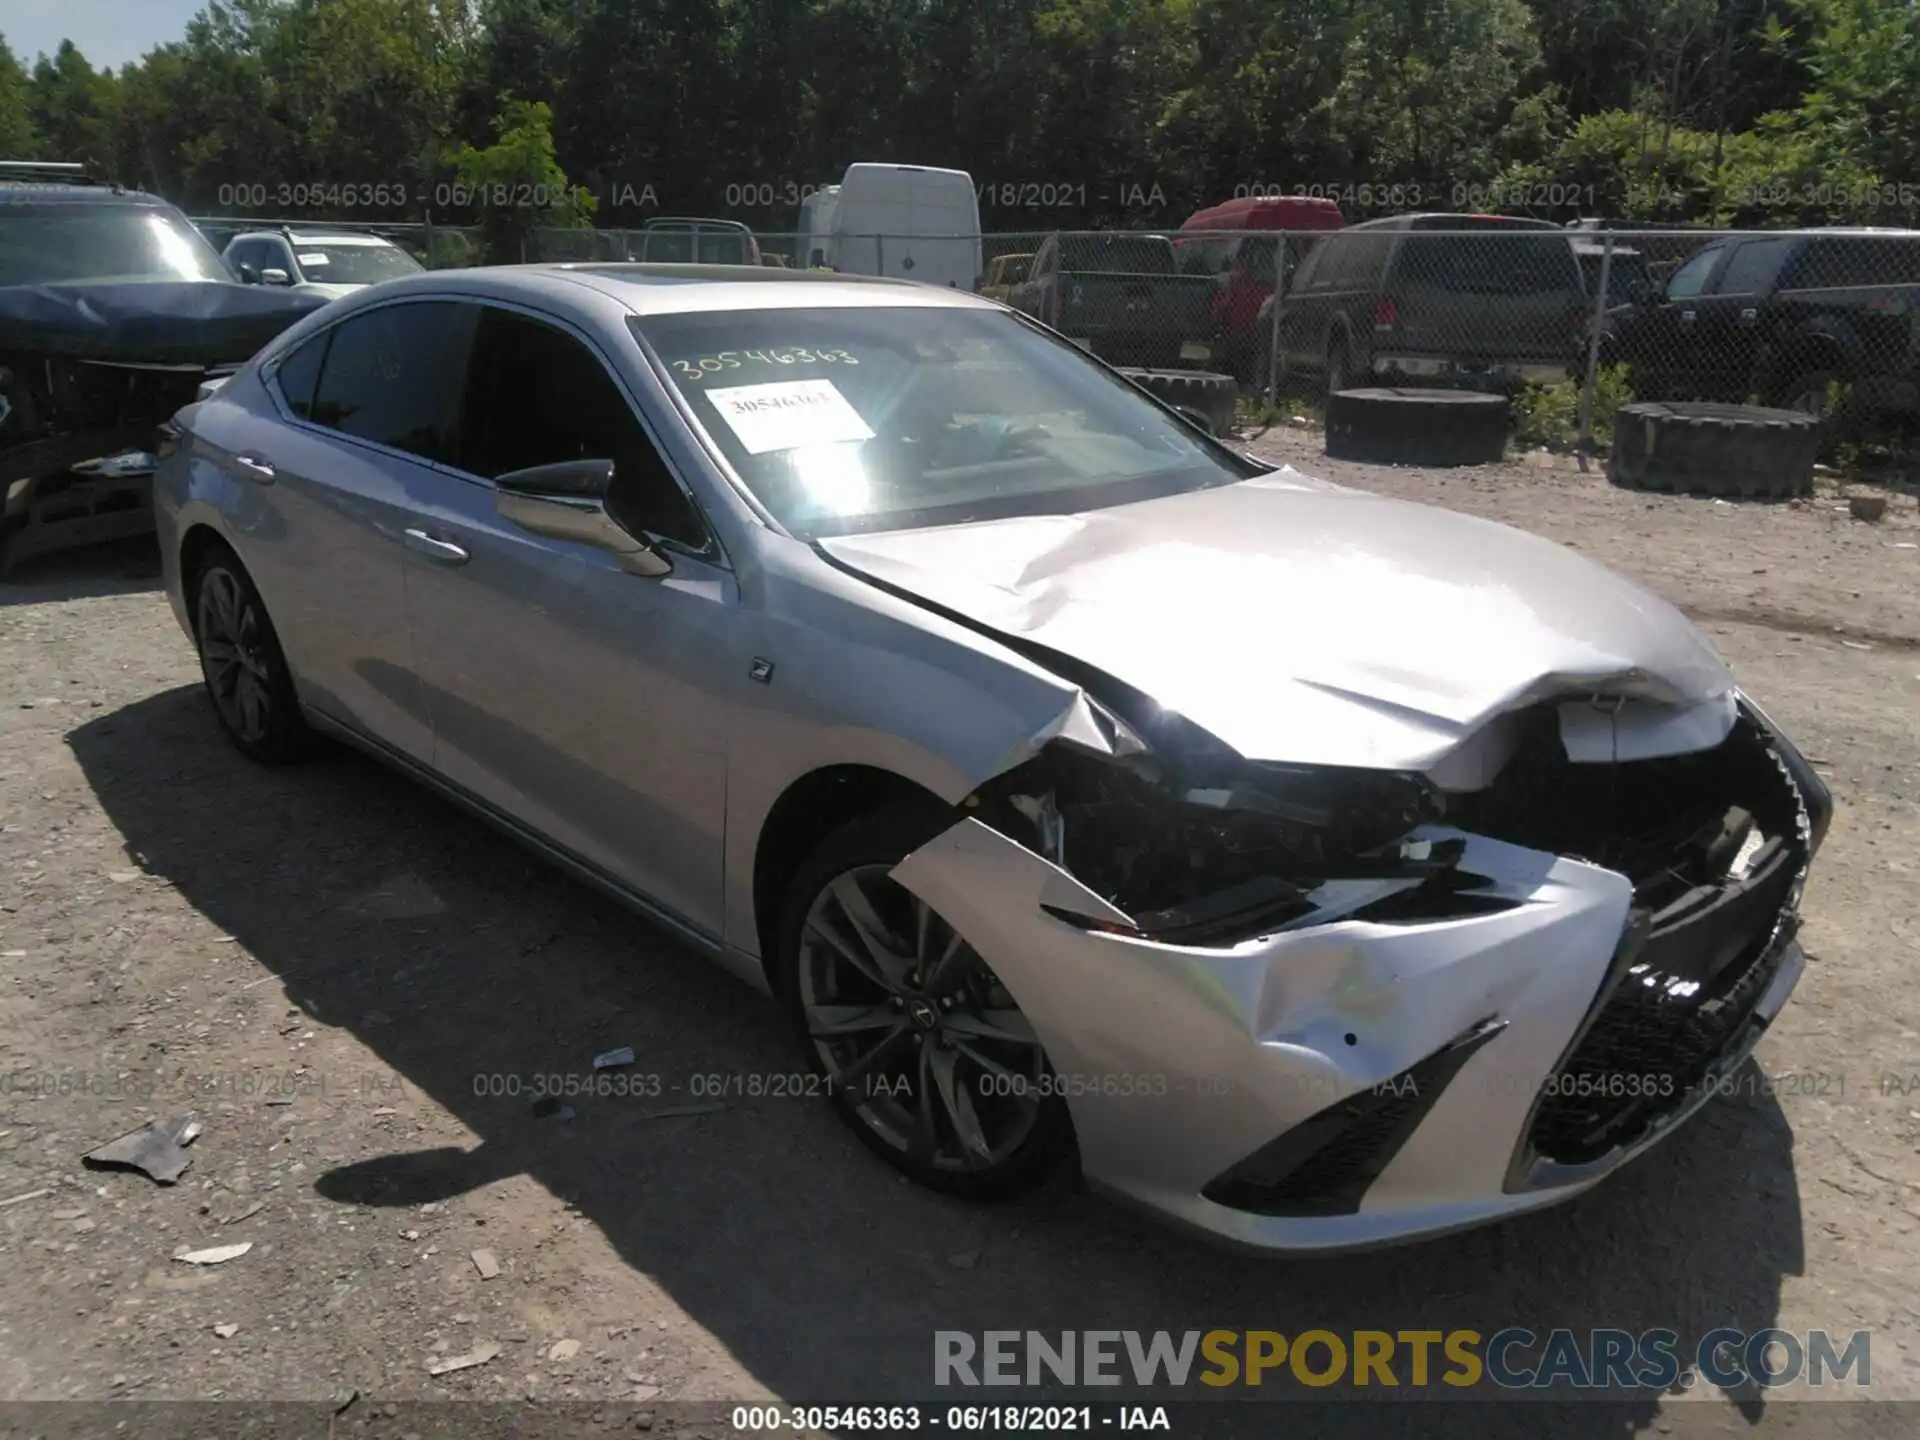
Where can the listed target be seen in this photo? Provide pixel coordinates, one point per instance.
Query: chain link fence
(1572, 322)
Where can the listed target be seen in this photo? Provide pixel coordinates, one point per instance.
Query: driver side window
(536, 396)
(1691, 278)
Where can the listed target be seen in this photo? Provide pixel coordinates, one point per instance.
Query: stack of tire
(1395, 426)
(1707, 448)
(1207, 394)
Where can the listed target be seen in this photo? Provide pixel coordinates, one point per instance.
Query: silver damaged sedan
(1313, 868)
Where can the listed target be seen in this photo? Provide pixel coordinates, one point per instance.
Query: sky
(108, 32)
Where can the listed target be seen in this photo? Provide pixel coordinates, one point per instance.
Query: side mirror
(246, 274)
(1197, 418)
(273, 275)
(568, 501)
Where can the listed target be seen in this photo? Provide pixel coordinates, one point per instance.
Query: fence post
(1273, 325)
(1593, 351)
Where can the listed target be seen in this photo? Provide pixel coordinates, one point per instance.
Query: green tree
(72, 108)
(17, 138)
(518, 183)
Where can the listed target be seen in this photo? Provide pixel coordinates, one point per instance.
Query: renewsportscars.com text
(1513, 1358)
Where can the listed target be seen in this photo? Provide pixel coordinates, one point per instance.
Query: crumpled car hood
(1302, 621)
(189, 322)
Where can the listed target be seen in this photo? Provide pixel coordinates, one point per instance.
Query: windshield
(842, 419)
(67, 241)
(691, 247)
(355, 264)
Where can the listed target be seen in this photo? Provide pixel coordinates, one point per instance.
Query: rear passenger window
(296, 374)
(537, 396)
(392, 375)
(1854, 261)
(1753, 266)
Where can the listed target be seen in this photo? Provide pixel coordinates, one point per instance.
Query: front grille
(1680, 996)
(1324, 1165)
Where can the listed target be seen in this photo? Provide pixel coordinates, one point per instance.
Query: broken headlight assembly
(1200, 846)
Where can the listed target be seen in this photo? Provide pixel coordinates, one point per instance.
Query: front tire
(245, 670)
(929, 1059)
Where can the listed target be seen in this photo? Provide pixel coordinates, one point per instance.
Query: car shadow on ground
(456, 957)
(118, 567)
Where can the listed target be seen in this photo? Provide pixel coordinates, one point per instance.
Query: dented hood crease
(1302, 621)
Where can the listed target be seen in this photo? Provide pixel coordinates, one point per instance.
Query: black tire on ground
(1027, 1139)
(1395, 426)
(246, 672)
(1708, 448)
(1214, 396)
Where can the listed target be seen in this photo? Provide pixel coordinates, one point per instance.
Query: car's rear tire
(928, 1059)
(241, 661)
(1809, 393)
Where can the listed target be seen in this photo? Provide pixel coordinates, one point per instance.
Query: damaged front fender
(1178, 1061)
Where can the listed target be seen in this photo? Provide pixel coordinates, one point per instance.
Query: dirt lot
(181, 931)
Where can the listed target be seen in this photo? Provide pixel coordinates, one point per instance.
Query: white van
(817, 212)
(910, 222)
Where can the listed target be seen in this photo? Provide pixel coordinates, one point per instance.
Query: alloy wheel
(913, 1028)
(233, 655)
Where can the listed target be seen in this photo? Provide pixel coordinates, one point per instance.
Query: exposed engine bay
(1200, 846)
(57, 411)
(88, 374)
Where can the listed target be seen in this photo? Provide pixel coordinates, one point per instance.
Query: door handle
(1748, 316)
(1687, 317)
(255, 468)
(445, 551)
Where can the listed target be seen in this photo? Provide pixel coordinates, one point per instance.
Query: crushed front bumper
(1182, 1066)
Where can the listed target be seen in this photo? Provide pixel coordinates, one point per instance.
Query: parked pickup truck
(1003, 273)
(1121, 296)
(1788, 318)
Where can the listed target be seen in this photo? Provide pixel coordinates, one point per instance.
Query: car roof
(660, 222)
(64, 192)
(1299, 206)
(313, 237)
(654, 289)
(1443, 220)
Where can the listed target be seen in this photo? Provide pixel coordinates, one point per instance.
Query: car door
(581, 700)
(1664, 343)
(1726, 324)
(370, 404)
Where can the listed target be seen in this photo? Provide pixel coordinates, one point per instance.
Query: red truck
(1216, 242)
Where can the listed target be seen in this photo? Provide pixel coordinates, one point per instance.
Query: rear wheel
(929, 1058)
(241, 661)
(1810, 393)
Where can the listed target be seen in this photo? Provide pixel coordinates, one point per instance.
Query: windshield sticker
(704, 365)
(789, 414)
(314, 257)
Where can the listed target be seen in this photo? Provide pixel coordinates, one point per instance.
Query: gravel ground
(337, 972)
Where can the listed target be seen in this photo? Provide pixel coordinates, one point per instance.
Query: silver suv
(329, 263)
